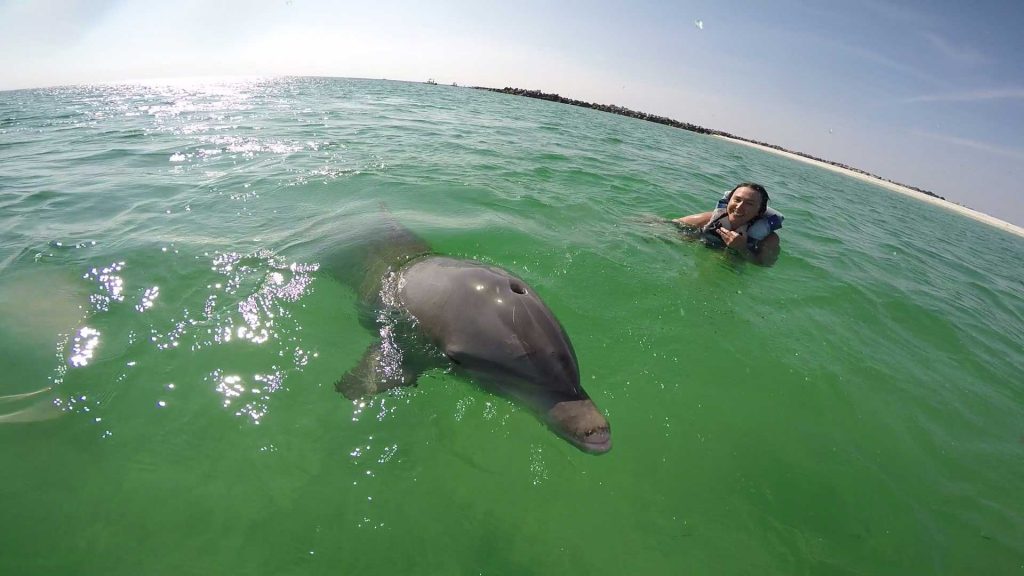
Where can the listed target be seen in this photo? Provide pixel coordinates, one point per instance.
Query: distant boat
(431, 81)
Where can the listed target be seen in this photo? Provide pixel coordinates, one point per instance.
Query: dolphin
(430, 310)
(39, 305)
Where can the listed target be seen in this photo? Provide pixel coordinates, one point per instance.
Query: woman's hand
(735, 240)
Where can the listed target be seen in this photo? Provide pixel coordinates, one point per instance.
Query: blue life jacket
(756, 230)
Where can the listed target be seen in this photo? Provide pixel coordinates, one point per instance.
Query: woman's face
(744, 205)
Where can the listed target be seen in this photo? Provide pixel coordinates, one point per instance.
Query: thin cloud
(957, 53)
(1017, 153)
(983, 95)
(898, 13)
(890, 63)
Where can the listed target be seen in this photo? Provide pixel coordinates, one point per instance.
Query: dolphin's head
(493, 326)
(581, 423)
(520, 349)
(503, 332)
(548, 382)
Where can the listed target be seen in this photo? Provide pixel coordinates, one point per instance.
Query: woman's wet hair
(757, 188)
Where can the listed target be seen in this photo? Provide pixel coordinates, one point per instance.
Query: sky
(925, 93)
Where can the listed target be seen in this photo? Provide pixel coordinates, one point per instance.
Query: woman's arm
(768, 251)
(695, 220)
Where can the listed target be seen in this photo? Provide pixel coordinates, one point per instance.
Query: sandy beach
(1008, 227)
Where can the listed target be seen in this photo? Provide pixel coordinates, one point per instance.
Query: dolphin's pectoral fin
(375, 373)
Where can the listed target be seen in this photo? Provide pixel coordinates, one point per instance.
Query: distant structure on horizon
(613, 109)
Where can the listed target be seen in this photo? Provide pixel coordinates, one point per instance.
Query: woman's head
(747, 201)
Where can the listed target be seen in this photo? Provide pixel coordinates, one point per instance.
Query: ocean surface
(170, 347)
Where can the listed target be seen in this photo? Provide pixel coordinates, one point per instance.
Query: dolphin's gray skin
(434, 310)
(39, 305)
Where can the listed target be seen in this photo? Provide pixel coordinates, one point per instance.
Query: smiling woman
(742, 222)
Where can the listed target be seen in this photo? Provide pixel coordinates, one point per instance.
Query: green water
(856, 409)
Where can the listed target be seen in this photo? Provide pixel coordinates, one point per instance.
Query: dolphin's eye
(516, 287)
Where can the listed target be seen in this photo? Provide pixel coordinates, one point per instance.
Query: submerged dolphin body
(432, 310)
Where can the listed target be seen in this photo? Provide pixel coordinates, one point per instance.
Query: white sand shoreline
(985, 218)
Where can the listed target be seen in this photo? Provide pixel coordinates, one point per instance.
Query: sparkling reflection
(229, 387)
(249, 304)
(111, 285)
(252, 401)
(538, 469)
(389, 359)
(83, 346)
(370, 456)
(205, 131)
(148, 298)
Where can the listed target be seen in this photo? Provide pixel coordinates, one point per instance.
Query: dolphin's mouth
(595, 442)
(582, 424)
